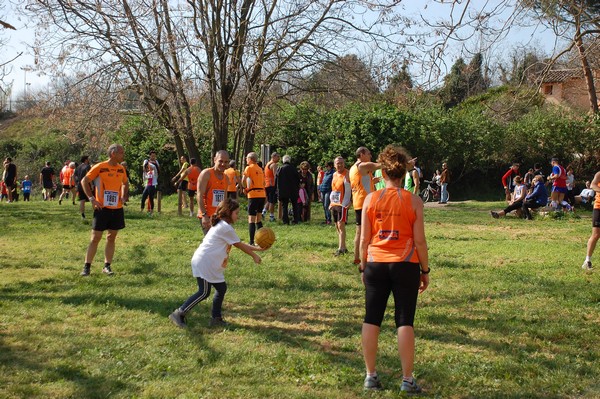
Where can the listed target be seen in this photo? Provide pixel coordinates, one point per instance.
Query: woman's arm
(421, 241)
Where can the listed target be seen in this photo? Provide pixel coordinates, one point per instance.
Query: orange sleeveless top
(392, 217)
(597, 200)
(193, 173)
(338, 191)
(361, 186)
(215, 193)
(269, 175)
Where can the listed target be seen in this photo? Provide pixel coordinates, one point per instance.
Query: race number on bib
(218, 196)
(111, 198)
(336, 197)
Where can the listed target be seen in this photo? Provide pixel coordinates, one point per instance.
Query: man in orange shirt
(212, 188)
(362, 183)
(111, 190)
(192, 173)
(341, 196)
(270, 188)
(67, 181)
(255, 190)
(591, 245)
(234, 180)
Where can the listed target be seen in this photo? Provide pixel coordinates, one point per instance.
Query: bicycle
(431, 192)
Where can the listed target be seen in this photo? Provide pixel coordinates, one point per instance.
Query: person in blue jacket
(537, 198)
(325, 189)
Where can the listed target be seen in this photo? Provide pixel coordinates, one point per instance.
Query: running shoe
(410, 387)
(86, 271)
(372, 383)
(107, 270)
(494, 214)
(587, 265)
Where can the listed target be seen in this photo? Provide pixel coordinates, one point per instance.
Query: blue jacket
(325, 186)
(539, 194)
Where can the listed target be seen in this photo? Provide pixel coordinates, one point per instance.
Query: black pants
(512, 207)
(284, 209)
(149, 192)
(527, 205)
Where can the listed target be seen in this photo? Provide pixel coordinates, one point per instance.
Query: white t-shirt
(210, 259)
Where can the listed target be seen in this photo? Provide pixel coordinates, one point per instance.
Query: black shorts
(82, 196)
(108, 219)
(271, 194)
(191, 193)
(255, 206)
(358, 214)
(232, 194)
(48, 185)
(596, 218)
(182, 185)
(339, 213)
(67, 187)
(400, 278)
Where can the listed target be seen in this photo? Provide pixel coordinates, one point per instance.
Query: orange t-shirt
(192, 177)
(67, 173)
(108, 181)
(231, 174)
(361, 186)
(215, 192)
(269, 175)
(257, 179)
(392, 217)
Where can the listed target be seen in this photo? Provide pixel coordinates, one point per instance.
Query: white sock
(373, 374)
(410, 380)
(588, 258)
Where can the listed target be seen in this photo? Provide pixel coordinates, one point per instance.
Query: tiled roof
(561, 75)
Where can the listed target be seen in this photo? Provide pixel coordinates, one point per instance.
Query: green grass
(509, 313)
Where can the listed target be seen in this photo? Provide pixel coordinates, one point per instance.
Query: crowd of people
(390, 248)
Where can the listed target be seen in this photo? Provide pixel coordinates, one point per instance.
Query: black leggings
(149, 192)
(400, 278)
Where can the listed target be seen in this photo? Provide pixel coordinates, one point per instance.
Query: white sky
(533, 36)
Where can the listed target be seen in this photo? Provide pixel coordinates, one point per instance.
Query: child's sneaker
(86, 271)
(410, 387)
(178, 318)
(372, 383)
(107, 270)
(217, 322)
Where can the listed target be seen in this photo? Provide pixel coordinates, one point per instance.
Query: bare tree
(126, 45)
(233, 51)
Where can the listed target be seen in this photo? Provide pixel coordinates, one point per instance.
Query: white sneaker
(587, 265)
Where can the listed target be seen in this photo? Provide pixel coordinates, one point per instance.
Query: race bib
(218, 196)
(336, 197)
(111, 198)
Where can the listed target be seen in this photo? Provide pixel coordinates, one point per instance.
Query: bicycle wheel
(426, 195)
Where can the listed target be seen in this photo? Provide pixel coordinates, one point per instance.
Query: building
(567, 87)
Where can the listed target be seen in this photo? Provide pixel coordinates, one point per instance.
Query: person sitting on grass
(537, 198)
(516, 203)
(586, 195)
(210, 260)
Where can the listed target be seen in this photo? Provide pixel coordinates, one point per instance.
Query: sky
(534, 35)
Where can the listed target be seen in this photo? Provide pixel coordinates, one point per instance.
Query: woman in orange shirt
(394, 259)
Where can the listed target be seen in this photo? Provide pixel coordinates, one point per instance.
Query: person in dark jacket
(325, 189)
(288, 181)
(537, 198)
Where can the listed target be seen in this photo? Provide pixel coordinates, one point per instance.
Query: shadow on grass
(87, 386)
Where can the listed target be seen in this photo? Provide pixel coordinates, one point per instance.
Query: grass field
(509, 313)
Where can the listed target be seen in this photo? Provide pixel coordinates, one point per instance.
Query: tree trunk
(587, 72)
